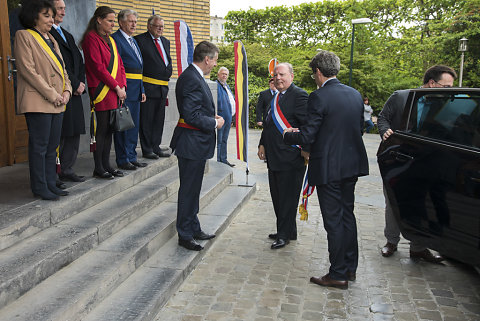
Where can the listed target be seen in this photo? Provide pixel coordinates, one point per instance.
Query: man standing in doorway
(155, 51)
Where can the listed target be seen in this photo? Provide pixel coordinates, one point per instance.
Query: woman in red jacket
(106, 83)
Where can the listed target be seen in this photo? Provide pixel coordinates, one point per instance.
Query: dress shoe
(127, 166)
(229, 164)
(279, 243)
(150, 156)
(326, 280)
(351, 276)
(138, 164)
(104, 175)
(427, 256)
(273, 236)
(190, 245)
(60, 184)
(388, 249)
(203, 236)
(58, 191)
(164, 149)
(162, 154)
(47, 196)
(72, 177)
(116, 173)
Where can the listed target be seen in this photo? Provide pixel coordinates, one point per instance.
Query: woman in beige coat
(43, 89)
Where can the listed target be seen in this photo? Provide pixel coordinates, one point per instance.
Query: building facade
(217, 30)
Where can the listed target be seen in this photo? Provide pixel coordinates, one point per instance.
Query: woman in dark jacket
(106, 83)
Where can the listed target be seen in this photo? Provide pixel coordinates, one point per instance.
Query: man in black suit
(263, 104)
(155, 51)
(194, 140)
(73, 120)
(286, 166)
(337, 159)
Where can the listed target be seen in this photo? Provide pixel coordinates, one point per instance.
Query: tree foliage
(405, 38)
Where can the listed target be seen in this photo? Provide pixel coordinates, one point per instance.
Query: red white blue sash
(278, 118)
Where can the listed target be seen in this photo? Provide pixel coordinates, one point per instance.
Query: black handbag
(121, 119)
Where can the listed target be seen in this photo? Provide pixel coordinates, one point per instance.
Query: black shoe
(104, 175)
(273, 236)
(203, 236)
(150, 156)
(116, 173)
(164, 149)
(128, 166)
(279, 243)
(60, 184)
(190, 245)
(58, 191)
(162, 154)
(138, 164)
(47, 196)
(229, 164)
(71, 177)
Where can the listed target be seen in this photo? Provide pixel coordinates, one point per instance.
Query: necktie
(132, 43)
(160, 51)
(60, 32)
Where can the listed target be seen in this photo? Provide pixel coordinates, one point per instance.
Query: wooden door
(13, 128)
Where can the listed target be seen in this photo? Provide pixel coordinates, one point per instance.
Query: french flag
(184, 45)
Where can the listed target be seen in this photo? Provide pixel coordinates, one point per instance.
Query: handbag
(121, 119)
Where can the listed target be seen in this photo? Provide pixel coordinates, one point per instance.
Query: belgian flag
(241, 99)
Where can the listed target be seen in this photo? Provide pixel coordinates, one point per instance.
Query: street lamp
(462, 47)
(355, 22)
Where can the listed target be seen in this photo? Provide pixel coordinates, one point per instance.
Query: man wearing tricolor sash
(155, 50)
(286, 166)
(337, 158)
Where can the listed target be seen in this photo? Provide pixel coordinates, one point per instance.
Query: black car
(431, 171)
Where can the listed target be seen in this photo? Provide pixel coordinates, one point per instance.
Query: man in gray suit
(389, 120)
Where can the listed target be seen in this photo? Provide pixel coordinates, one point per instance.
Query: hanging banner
(183, 45)
(241, 99)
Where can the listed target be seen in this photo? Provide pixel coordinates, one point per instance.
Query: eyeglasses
(442, 85)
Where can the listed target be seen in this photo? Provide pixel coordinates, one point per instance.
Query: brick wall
(196, 13)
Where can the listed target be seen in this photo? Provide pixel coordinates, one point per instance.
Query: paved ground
(241, 278)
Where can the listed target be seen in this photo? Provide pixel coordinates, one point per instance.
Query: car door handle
(401, 157)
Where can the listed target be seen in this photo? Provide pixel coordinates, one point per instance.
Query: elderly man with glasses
(389, 119)
(155, 50)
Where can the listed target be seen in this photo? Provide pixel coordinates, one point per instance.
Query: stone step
(24, 221)
(145, 292)
(25, 264)
(73, 291)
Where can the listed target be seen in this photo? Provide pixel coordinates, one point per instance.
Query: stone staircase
(109, 250)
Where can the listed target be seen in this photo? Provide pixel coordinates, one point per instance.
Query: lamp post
(355, 22)
(462, 47)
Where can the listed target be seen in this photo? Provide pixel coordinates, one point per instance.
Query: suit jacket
(156, 65)
(224, 108)
(39, 80)
(334, 130)
(131, 64)
(97, 57)
(263, 105)
(73, 119)
(281, 157)
(391, 114)
(196, 106)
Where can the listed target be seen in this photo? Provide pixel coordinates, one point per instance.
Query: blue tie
(60, 32)
(132, 43)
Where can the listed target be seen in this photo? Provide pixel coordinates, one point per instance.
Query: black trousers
(152, 118)
(68, 153)
(43, 139)
(336, 203)
(191, 178)
(285, 188)
(103, 137)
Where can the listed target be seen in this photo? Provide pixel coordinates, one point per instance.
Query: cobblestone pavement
(241, 278)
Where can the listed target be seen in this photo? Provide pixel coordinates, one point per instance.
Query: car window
(448, 117)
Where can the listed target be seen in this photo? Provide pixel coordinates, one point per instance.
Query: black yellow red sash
(102, 89)
(182, 123)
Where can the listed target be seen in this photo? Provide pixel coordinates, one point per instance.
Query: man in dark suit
(337, 159)
(263, 104)
(155, 51)
(126, 141)
(193, 141)
(73, 120)
(286, 166)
